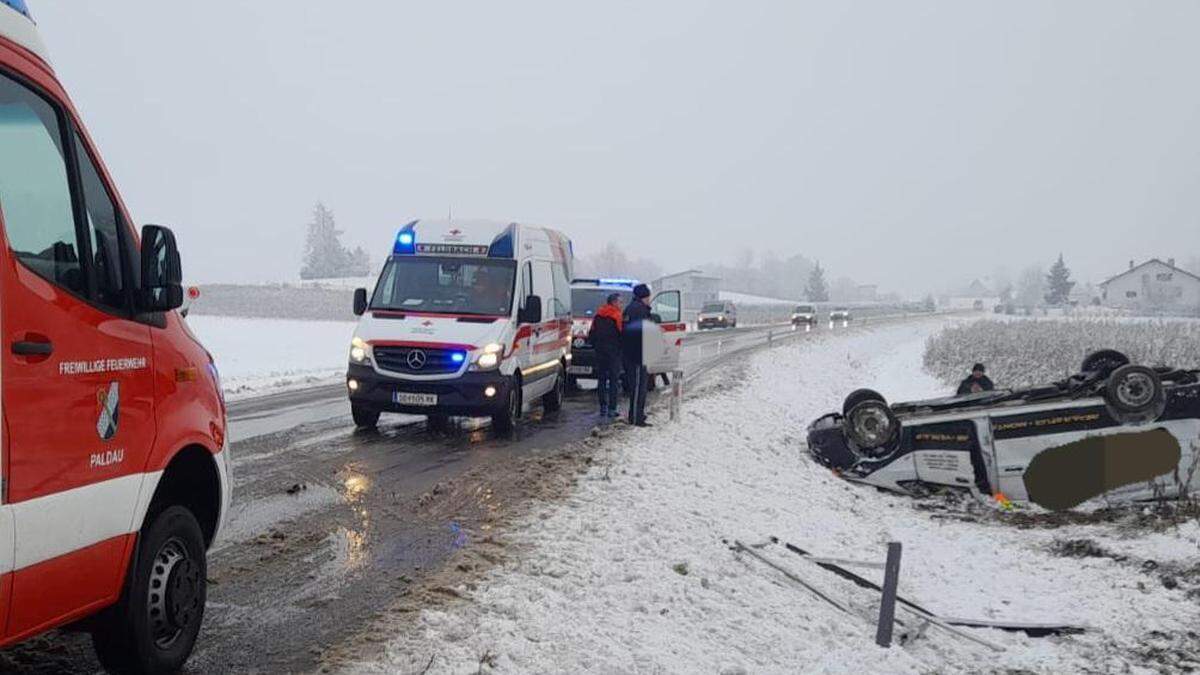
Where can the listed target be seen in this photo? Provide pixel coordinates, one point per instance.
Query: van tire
(148, 631)
(553, 400)
(364, 418)
(505, 419)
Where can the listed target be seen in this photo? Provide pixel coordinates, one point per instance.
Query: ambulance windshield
(480, 286)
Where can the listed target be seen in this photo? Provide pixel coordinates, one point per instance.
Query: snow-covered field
(255, 356)
(632, 573)
(1025, 352)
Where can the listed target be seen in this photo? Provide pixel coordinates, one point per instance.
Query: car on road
(587, 295)
(839, 315)
(467, 319)
(717, 314)
(804, 314)
(116, 469)
(1114, 429)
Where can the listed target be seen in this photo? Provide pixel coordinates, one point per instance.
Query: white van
(466, 319)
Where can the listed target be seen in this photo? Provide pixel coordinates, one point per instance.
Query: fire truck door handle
(25, 348)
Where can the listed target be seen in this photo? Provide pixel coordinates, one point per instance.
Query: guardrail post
(887, 606)
(676, 393)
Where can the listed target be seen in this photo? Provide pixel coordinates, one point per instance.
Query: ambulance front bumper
(464, 396)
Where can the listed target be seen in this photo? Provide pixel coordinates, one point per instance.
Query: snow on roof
(748, 300)
(1151, 261)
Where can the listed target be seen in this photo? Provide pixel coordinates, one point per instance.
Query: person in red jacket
(605, 336)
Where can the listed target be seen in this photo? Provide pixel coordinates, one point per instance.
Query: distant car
(719, 314)
(804, 314)
(1115, 429)
(839, 314)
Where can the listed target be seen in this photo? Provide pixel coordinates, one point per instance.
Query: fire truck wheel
(364, 418)
(506, 418)
(553, 400)
(154, 625)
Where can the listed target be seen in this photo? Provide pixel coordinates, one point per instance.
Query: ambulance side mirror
(532, 311)
(360, 301)
(162, 274)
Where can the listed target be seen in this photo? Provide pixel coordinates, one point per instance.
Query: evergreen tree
(324, 255)
(817, 290)
(1058, 283)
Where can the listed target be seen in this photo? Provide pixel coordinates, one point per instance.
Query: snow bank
(631, 573)
(258, 355)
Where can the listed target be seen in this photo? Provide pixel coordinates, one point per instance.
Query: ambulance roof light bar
(18, 5)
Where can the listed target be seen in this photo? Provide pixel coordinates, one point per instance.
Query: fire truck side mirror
(360, 301)
(162, 274)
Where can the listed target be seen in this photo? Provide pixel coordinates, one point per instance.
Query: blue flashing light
(406, 240)
(458, 357)
(619, 282)
(18, 5)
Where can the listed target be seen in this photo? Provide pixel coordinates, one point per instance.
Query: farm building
(1155, 287)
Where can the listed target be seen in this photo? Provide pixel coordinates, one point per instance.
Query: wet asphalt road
(331, 524)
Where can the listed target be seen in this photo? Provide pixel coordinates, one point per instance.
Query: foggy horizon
(915, 146)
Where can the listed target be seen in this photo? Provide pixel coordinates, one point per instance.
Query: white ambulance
(468, 318)
(114, 479)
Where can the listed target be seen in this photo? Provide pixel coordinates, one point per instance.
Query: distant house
(1155, 287)
(975, 296)
(696, 286)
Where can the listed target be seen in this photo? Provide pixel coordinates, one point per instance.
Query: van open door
(662, 342)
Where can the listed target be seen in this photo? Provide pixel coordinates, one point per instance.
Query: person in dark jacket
(605, 337)
(976, 382)
(636, 313)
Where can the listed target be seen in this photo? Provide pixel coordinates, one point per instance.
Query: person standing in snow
(605, 336)
(636, 313)
(976, 382)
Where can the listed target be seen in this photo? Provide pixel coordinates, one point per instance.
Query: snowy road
(330, 526)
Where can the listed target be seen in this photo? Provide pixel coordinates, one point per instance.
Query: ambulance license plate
(579, 370)
(410, 398)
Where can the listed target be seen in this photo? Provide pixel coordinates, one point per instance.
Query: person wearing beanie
(976, 382)
(636, 313)
(605, 338)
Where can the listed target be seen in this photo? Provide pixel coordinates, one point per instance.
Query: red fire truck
(114, 472)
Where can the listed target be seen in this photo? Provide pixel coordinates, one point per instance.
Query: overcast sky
(901, 143)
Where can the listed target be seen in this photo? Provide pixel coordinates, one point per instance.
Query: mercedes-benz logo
(416, 359)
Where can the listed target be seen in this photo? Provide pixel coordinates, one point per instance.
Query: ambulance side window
(562, 291)
(35, 194)
(104, 229)
(526, 284)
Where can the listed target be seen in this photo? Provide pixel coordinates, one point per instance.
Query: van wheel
(553, 400)
(1135, 394)
(506, 418)
(154, 625)
(364, 418)
(858, 396)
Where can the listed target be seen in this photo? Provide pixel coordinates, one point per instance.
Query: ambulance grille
(418, 360)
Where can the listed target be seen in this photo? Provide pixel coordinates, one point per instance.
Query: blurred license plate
(579, 370)
(408, 398)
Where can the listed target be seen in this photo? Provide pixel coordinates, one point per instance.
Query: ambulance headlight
(490, 358)
(359, 351)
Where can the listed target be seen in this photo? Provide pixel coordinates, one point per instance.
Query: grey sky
(901, 143)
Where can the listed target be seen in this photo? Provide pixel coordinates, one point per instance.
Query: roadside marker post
(887, 606)
(676, 394)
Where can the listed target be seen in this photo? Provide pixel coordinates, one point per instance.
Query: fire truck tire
(363, 417)
(553, 400)
(506, 418)
(154, 625)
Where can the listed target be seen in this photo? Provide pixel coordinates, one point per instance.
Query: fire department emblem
(108, 401)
